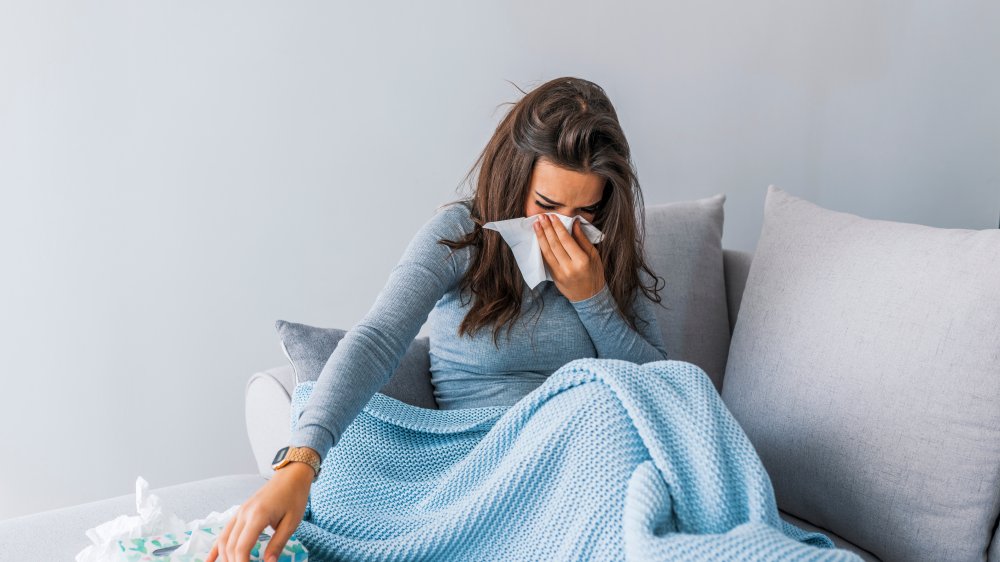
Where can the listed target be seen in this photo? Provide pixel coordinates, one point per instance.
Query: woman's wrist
(298, 470)
(592, 299)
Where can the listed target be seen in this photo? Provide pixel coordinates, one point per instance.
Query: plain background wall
(178, 175)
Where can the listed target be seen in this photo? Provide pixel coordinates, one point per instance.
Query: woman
(559, 150)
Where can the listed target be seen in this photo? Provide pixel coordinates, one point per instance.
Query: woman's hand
(576, 266)
(280, 503)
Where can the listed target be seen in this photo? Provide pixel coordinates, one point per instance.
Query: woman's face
(558, 190)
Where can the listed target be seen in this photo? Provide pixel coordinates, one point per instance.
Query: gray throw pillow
(684, 246)
(308, 348)
(865, 369)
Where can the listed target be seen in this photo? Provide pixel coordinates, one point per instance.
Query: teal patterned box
(157, 548)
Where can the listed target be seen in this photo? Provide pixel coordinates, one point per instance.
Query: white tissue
(520, 236)
(152, 520)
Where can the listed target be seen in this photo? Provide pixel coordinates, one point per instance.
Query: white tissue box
(145, 548)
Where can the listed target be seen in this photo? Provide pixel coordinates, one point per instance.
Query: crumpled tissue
(520, 236)
(133, 538)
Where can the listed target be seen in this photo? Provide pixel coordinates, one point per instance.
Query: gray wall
(177, 175)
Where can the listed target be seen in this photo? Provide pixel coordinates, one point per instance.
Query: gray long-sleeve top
(466, 372)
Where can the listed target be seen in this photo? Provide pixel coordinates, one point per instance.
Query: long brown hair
(570, 122)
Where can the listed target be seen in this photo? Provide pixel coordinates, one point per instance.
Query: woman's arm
(369, 352)
(613, 337)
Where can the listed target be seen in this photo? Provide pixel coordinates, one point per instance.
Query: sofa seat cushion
(838, 540)
(865, 369)
(60, 534)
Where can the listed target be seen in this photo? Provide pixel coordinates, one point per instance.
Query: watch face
(282, 453)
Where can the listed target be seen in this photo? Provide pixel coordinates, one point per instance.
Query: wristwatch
(302, 454)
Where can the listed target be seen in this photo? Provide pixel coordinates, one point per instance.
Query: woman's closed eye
(551, 207)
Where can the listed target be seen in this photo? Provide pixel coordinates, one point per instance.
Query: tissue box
(144, 548)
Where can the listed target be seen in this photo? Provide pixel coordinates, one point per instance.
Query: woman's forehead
(569, 187)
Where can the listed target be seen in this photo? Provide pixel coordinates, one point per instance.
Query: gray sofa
(865, 370)
(268, 402)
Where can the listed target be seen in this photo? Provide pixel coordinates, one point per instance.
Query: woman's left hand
(576, 265)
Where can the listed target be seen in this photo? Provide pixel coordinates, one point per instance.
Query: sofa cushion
(683, 245)
(308, 348)
(865, 369)
(838, 541)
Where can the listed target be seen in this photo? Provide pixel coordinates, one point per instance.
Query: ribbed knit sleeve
(613, 337)
(372, 349)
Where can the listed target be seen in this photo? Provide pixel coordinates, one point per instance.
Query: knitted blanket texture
(605, 460)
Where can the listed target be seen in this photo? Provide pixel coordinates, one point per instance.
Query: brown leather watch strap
(306, 455)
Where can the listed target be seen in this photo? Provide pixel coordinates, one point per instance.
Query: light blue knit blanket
(605, 460)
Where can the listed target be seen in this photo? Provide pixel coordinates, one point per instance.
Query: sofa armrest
(268, 397)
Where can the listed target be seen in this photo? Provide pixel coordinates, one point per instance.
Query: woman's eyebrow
(560, 204)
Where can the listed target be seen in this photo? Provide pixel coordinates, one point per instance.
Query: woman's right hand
(280, 503)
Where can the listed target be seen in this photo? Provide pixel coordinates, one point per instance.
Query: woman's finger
(568, 241)
(230, 552)
(248, 537)
(585, 244)
(555, 243)
(220, 541)
(543, 245)
(281, 535)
